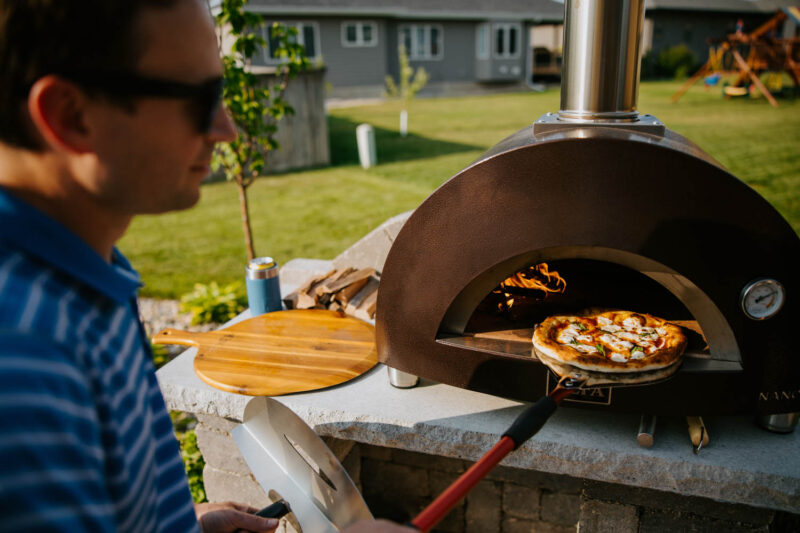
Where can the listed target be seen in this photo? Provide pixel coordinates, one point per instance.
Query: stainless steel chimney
(600, 72)
(600, 76)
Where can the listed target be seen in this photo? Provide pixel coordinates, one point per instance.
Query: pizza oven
(597, 207)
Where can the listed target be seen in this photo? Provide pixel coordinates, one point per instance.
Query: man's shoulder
(13, 263)
(20, 269)
(32, 292)
(15, 343)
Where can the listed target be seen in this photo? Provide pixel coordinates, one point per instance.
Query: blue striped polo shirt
(86, 443)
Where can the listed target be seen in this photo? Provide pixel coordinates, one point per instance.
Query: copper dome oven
(597, 206)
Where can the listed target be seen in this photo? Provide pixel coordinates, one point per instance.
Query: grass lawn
(319, 213)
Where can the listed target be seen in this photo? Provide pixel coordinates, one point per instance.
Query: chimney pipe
(600, 73)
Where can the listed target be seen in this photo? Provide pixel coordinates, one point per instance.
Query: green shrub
(648, 66)
(210, 303)
(160, 355)
(675, 62)
(193, 462)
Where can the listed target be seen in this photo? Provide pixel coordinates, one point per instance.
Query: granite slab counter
(743, 464)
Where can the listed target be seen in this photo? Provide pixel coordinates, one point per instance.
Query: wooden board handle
(176, 336)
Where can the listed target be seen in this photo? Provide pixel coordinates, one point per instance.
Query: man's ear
(58, 108)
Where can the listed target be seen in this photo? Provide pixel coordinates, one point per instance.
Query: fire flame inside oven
(537, 277)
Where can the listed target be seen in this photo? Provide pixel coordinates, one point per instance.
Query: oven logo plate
(596, 396)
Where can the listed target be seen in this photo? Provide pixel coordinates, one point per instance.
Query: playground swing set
(765, 54)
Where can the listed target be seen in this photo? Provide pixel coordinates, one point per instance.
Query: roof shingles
(534, 10)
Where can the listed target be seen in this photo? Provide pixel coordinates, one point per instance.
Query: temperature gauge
(762, 298)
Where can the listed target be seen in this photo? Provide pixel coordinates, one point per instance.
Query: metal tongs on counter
(697, 433)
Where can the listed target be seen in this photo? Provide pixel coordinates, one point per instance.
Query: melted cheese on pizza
(628, 339)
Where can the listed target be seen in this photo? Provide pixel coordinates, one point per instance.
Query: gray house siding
(356, 65)
(346, 66)
(459, 62)
(390, 49)
(456, 62)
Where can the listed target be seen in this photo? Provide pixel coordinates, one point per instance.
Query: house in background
(470, 46)
(465, 45)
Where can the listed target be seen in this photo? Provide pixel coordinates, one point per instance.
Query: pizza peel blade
(287, 457)
(574, 378)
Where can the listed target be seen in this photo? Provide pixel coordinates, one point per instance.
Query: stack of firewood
(350, 290)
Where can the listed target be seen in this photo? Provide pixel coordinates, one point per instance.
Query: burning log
(352, 291)
(535, 280)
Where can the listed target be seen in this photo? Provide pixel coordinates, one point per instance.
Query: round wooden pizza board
(281, 352)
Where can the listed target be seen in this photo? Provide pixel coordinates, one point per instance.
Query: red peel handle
(453, 494)
(527, 424)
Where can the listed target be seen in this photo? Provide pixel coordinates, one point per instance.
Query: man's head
(40, 37)
(124, 93)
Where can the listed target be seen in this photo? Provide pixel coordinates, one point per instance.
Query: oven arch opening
(676, 296)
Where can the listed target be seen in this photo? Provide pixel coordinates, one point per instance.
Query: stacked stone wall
(398, 484)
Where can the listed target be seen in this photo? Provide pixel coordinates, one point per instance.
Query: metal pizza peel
(287, 457)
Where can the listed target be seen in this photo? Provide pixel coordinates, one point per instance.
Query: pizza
(621, 345)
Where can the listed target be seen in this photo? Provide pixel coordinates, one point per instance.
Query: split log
(355, 306)
(303, 296)
(353, 291)
(334, 282)
(355, 277)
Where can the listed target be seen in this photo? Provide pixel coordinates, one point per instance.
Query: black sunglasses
(204, 97)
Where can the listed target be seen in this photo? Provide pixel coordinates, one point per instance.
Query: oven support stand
(647, 431)
(402, 380)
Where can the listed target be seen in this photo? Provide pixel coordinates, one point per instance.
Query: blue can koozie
(263, 287)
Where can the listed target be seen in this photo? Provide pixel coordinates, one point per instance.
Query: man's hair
(41, 37)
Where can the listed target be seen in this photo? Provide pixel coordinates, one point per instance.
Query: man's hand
(378, 526)
(227, 517)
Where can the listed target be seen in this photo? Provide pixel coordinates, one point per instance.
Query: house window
(482, 41)
(359, 34)
(307, 35)
(422, 41)
(506, 38)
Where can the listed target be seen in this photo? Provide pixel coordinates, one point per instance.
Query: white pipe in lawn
(367, 152)
(403, 123)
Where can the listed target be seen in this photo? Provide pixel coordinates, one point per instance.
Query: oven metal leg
(400, 379)
(782, 423)
(647, 431)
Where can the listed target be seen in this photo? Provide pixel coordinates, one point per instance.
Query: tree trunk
(248, 234)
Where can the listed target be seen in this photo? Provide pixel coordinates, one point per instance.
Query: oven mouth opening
(500, 320)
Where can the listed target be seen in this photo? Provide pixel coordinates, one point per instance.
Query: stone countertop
(743, 463)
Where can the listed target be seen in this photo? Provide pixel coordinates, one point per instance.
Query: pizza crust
(662, 360)
(589, 378)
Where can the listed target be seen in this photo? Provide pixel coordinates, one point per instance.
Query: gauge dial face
(762, 298)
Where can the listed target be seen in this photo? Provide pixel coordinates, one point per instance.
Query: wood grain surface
(281, 352)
